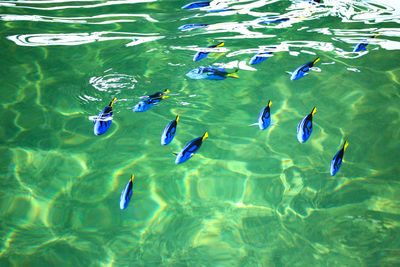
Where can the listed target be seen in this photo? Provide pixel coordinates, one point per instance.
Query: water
(248, 197)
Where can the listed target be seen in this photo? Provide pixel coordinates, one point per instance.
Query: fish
(104, 119)
(188, 151)
(338, 159)
(271, 20)
(211, 73)
(169, 132)
(264, 119)
(188, 27)
(126, 194)
(203, 54)
(220, 10)
(259, 57)
(150, 100)
(363, 45)
(197, 4)
(302, 70)
(304, 129)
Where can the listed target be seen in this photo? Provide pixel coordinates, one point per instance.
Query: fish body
(302, 70)
(188, 27)
(169, 132)
(264, 119)
(103, 120)
(259, 57)
(150, 100)
(272, 20)
(210, 73)
(305, 127)
(337, 160)
(126, 195)
(197, 4)
(363, 45)
(203, 54)
(188, 151)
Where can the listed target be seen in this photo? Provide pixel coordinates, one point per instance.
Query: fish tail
(316, 60)
(345, 145)
(166, 91)
(220, 44)
(376, 35)
(205, 135)
(269, 103)
(313, 111)
(132, 176)
(165, 96)
(233, 74)
(177, 118)
(112, 101)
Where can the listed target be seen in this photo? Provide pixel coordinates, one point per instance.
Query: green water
(248, 197)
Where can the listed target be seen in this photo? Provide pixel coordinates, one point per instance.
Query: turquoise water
(247, 197)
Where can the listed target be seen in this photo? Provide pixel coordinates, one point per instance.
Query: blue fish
(197, 4)
(169, 132)
(363, 45)
(259, 57)
(211, 73)
(199, 55)
(264, 119)
(338, 159)
(104, 119)
(302, 70)
(150, 101)
(126, 195)
(188, 27)
(271, 20)
(188, 151)
(304, 129)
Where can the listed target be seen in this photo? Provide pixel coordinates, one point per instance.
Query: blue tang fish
(363, 45)
(199, 55)
(104, 119)
(264, 119)
(169, 132)
(197, 4)
(271, 20)
(302, 70)
(150, 101)
(211, 73)
(126, 195)
(259, 57)
(188, 151)
(188, 27)
(304, 129)
(338, 159)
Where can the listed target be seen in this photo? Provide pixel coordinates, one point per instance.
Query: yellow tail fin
(112, 102)
(313, 111)
(345, 145)
(220, 44)
(316, 60)
(376, 35)
(166, 91)
(165, 96)
(132, 176)
(205, 135)
(269, 103)
(177, 118)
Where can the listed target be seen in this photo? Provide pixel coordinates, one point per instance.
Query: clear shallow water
(247, 198)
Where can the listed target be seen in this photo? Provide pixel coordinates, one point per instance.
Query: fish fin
(288, 72)
(175, 153)
(205, 135)
(316, 60)
(306, 73)
(254, 124)
(376, 35)
(313, 111)
(345, 145)
(269, 103)
(364, 48)
(132, 176)
(112, 101)
(165, 96)
(166, 91)
(177, 118)
(233, 75)
(220, 44)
